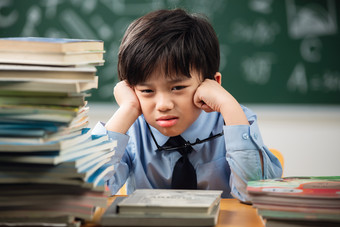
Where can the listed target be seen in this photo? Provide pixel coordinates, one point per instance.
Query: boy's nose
(164, 103)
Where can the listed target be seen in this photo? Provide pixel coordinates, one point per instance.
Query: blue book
(44, 146)
(76, 157)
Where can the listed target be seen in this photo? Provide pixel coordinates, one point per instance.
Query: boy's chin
(170, 131)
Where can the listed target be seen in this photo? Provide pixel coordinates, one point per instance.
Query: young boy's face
(167, 103)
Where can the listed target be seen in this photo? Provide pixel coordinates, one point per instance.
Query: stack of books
(164, 207)
(297, 201)
(52, 170)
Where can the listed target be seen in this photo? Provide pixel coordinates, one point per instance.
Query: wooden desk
(232, 214)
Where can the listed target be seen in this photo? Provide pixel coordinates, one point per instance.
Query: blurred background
(279, 58)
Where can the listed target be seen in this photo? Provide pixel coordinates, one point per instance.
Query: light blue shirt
(224, 163)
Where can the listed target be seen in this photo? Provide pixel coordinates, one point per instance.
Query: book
(74, 101)
(297, 198)
(59, 221)
(299, 223)
(41, 139)
(87, 197)
(54, 45)
(163, 201)
(34, 72)
(80, 156)
(62, 146)
(11, 110)
(51, 51)
(95, 181)
(58, 59)
(113, 218)
(309, 187)
(45, 116)
(40, 94)
(17, 171)
(40, 128)
(57, 86)
(305, 215)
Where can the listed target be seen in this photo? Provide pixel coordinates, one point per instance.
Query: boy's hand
(128, 111)
(211, 96)
(126, 97)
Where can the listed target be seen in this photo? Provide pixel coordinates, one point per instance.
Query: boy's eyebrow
(171, 81)
(178, 80)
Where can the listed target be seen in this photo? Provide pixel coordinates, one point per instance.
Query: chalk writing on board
(311, 19)
(261, 6)
(290, 45)
(257, 68)
(260, 32)
(9, 19)
(310, 49)
(329, 81)
(307, 23)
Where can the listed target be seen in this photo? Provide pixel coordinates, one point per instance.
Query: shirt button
(245, 136)
(255, 136)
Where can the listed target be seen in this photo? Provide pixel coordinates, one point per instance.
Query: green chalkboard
(272, 51)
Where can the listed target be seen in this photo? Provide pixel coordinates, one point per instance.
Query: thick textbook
(43, 44)
(56, 86)
(113, 218)
(36, 73)
(169, 201)
(51, 51)
(71, 100)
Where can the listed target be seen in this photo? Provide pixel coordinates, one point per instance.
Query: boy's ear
(218, 77)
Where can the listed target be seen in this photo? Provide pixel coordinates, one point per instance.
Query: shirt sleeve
(244, 145)
(121, 170)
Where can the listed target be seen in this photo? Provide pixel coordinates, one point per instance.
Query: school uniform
(224, 163)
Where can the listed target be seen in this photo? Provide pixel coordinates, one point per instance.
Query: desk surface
(232, 214)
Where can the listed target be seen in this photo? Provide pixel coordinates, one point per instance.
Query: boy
(170, 86)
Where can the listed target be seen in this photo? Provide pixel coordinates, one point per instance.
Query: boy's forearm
(232, 113)
(122, 120)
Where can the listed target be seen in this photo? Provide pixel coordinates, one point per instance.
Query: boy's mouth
(167, 121)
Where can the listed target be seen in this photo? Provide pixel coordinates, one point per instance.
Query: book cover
(322, 187)
(169, 201)
(112, 218)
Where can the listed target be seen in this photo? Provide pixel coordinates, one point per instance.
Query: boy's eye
(146, 91)
(176, 88)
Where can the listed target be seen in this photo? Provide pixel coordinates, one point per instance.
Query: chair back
(279, 156)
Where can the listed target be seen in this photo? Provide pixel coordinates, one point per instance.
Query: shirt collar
(204, 126)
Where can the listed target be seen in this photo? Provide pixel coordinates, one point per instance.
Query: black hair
(171, 40)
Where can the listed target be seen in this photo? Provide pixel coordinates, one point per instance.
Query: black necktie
(184, 174)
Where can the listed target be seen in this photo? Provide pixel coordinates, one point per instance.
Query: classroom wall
(308, 136)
